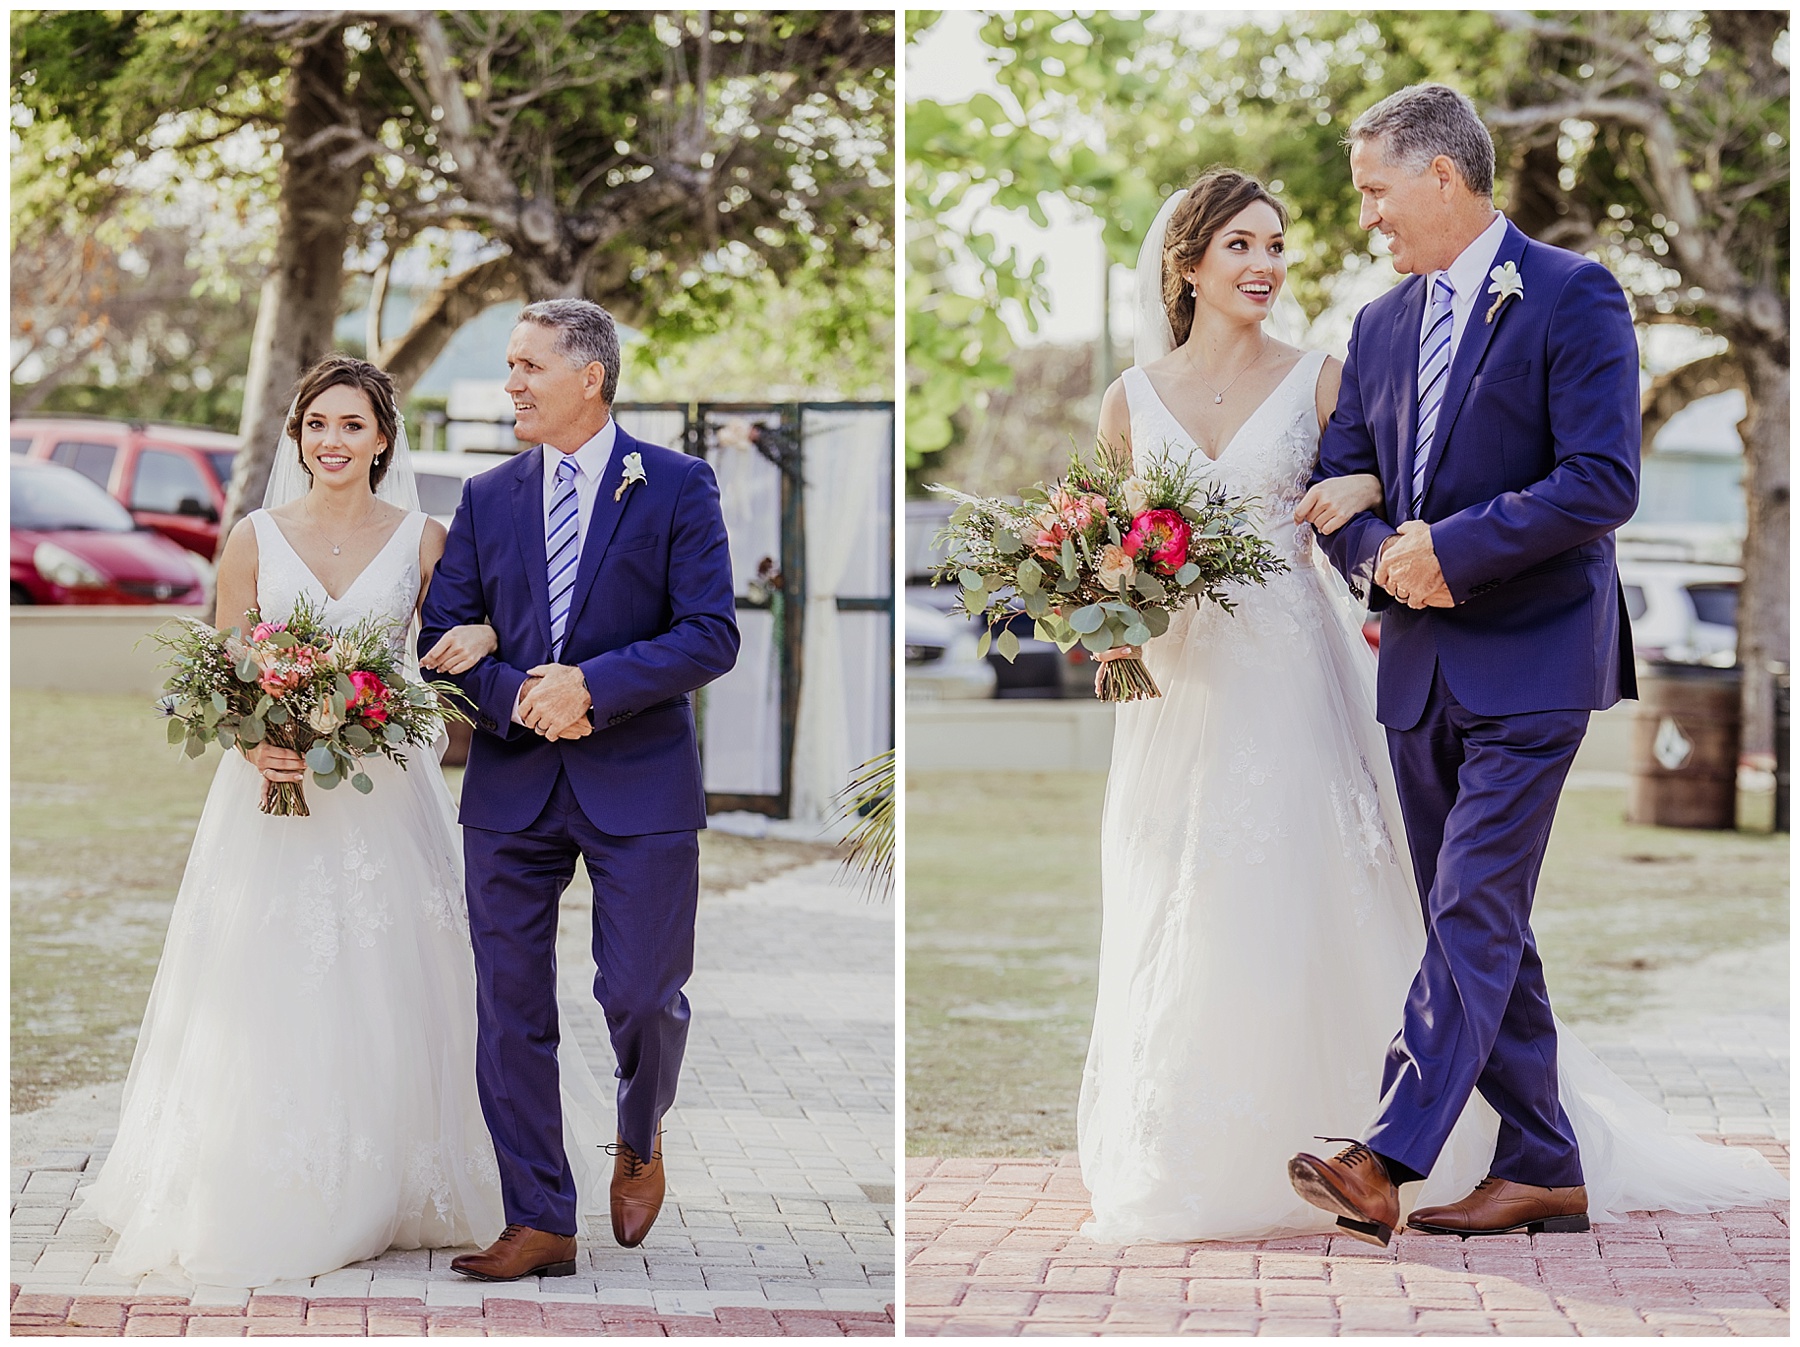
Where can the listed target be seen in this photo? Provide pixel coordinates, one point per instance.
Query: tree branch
(457, 299)
(1668, 393)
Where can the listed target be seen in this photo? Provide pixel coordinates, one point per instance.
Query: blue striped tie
(564, 549)
(1434, 371)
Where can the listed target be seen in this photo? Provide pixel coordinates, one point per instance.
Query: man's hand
(555, 702)
(1408, 568)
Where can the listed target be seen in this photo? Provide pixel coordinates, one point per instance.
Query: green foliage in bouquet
(1103, 557)
(331, 695)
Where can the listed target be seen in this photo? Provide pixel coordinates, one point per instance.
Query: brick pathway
(993, 1248)
(780, 1154)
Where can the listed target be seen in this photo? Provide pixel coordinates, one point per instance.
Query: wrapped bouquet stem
(1102, 558)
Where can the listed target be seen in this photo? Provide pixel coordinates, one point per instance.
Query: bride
(1260, 924)
(302, 1094)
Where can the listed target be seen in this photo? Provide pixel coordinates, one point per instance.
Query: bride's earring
(1193, 290)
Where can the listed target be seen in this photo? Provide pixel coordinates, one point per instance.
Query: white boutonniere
(1507, 284)
(634, 472)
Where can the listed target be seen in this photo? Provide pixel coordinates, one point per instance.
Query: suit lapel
(1473, 349)
(609, 507)
(528, 531)
(1405, 357)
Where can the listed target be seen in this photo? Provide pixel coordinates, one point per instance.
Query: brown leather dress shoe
(637, 1192)
(1355, 1185)
(520, 1252)
(1502, 1207)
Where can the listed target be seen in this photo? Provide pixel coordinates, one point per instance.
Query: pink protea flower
(1162, 536)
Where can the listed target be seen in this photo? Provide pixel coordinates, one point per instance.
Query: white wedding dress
(1261, 925)
(303, 1093)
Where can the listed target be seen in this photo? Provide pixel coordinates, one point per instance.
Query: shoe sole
(1317, 1189)
(1550, 1225)
(547, 1270)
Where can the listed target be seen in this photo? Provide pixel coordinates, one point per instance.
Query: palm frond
(867, 801)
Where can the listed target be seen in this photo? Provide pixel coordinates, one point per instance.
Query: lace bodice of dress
(1270, 458)
(388, 586)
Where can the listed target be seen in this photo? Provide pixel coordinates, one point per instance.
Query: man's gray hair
(585, 333)
(1419, 123)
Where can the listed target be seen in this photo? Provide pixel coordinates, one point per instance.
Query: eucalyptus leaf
(1008, 645)
(393, 733)
(362, 783)
(277, 714)
(358, 738)
(1006, 542)
(1150, 587)
(177, 730)
(345, 688)
(1088, 619)
(981, 646)
(195, 746)
(1068, 559)
(321, 759)
(1157, 619)
(282, 640)
(1030, 575)
(1137, 634)
(1068, 586)
(1037, 603)
(324, 781)
(1098, 641)
(1187, 575)
(971, 580)
(251, 731)
(220, 705)
(226, 735)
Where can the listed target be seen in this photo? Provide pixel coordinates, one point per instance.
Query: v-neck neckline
(369, 565)
(1243, 425)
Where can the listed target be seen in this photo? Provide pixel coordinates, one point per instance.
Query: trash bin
(1781, 753)
(1684, 747)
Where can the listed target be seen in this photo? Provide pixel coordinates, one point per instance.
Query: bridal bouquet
(1102, 558)
(333, 696)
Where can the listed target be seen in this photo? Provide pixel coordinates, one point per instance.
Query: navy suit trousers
(1479, 794)
(646, 890)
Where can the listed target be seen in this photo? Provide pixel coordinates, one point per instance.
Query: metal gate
(760, 454)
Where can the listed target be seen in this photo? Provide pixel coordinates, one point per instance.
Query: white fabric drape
(845, 457)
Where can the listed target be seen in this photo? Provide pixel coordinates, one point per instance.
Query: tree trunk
(299, 304)
(1762, 615)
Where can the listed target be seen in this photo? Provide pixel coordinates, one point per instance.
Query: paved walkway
(993, 1245)
(780, 1156)
(993, 1249)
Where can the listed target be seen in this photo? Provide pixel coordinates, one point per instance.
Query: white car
(941, 663)
(441, 477)
(1682, 611)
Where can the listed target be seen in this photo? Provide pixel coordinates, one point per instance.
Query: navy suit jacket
(651, 619)
(1533, 464)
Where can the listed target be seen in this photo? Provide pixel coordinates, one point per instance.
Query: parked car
(171, 478)
(1682, 611)
(73, 543)
(941, 663)
(441, 477)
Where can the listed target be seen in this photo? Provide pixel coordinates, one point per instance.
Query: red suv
(171, 478)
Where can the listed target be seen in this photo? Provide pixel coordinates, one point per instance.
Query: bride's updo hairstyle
(1210, 204)
(346, 371)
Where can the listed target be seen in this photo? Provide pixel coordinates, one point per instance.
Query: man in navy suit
(601, 563)
(1495, 394)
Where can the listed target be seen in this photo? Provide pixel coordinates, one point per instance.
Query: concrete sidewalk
(780, 1155)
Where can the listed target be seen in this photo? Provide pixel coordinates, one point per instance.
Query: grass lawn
(1003, 928)
(103, 814)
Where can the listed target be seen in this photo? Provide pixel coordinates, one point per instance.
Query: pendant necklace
(1219, 394)
(337, 549)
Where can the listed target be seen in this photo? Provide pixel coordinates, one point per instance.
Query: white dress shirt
(1469, 279)
(591, 462)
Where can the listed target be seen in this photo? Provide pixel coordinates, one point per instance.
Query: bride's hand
(1329, 505)
(461, 649)
(276, 763)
